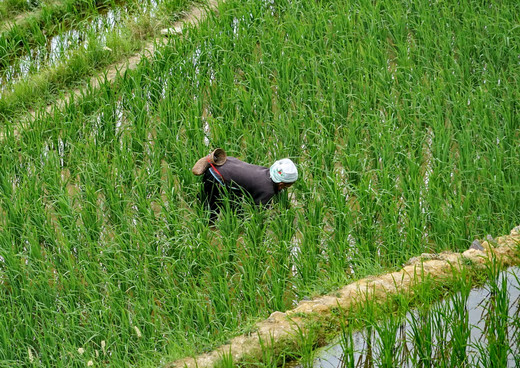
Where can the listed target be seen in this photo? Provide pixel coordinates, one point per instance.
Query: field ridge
(403, 125)
(284, 329)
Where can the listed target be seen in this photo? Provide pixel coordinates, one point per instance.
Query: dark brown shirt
(253, 179)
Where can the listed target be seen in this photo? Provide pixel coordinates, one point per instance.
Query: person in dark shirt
(237, 178)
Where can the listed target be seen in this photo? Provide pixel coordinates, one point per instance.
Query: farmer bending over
(228, 175)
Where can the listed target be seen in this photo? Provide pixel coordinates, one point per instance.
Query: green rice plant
(309, 251)
(459, 329)
(339, 249)
(496, 351)
(421, 326)
(272, 355)
(347, 344)
(31, 30)
(388, 345)
(306, 346)
(434, 329)
(73, 52)
(253, 255)
(514, 326)
(226, 361)
(102, 231)
(278, 269)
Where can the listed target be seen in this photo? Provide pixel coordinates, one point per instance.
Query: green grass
(401, 116)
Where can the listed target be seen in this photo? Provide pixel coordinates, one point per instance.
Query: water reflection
(473, 329)
(61, 47)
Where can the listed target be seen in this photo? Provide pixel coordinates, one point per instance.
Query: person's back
(231, 175)
(252, 179)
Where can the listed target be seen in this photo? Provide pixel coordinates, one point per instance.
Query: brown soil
(282, 330)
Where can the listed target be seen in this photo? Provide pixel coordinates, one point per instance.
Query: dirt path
(283, 330)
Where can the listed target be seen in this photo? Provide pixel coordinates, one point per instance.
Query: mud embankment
(282, 330)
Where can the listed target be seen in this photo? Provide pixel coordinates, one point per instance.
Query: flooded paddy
(478, 328)
(106, 250)
(58, 46)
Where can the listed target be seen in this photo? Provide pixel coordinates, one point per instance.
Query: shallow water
(367, 349)
(60, 47)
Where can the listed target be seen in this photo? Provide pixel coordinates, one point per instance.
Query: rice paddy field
(471, 328)
(402, 116)
(60, 44)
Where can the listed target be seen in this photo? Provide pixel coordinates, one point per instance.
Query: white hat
(283, 171)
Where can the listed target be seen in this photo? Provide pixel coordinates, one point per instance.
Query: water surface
(481, 320)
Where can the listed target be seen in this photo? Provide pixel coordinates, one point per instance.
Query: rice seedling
(495, 345)
(421, 325)
(347, 345)
(226, 361)
(462, 330)
(388, 345)
(514, 324)
(306, 347)
(102, 232)
(269, 356)
(459, 328)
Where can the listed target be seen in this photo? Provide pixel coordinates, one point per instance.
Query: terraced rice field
(60, 44)
(402, 116)
(473, 327)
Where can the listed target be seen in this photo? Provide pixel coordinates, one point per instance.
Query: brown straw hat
(218, 157)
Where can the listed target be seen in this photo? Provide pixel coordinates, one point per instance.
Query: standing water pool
(477, 327)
